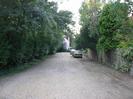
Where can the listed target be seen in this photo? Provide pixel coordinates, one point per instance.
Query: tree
(89, 13)
(30, 29)
(111, 20)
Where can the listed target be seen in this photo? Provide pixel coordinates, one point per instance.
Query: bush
(30, 30)
(111, 20)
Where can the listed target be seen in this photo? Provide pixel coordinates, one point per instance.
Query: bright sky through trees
(73, 6)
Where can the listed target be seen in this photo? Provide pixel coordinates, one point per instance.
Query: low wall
(90, 55)
(113, 58)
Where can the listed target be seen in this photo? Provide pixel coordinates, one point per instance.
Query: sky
(73, 6)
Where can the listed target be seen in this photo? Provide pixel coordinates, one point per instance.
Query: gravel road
(63, 77)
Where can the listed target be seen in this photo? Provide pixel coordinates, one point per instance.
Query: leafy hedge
(111, 20)
(30, 29)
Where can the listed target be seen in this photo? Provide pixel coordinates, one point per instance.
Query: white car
(77, 54)
(72, 51)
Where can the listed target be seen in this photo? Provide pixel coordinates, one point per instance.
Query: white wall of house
(66, 43)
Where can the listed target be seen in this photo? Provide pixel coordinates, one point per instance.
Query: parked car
(72, 51)
(77, 54)
(70, 48)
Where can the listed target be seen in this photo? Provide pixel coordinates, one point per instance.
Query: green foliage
(124, 59)
(83, 40)
(128, 54)
(124, 68)
(126, 39)
(107, 29)
(89, 32)
(30, 29)
(111, 20)
(78, 42)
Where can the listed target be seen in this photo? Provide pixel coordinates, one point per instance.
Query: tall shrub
(111, 20)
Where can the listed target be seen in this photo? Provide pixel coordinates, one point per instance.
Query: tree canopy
(89, 32)
(30, 29)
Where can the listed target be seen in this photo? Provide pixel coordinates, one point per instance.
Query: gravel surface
(63, 77)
